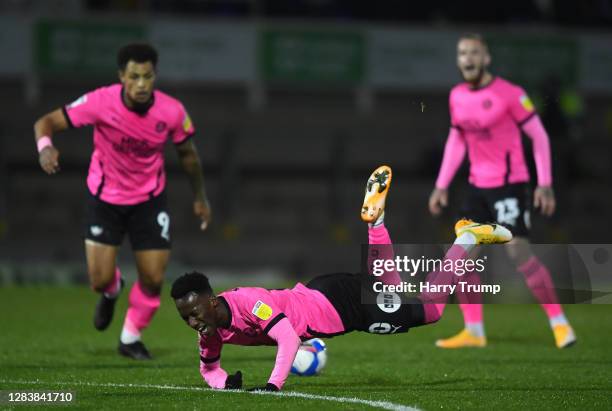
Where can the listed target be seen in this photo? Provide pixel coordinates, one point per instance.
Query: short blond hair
(474, 36)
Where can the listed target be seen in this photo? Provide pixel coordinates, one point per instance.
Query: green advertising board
(81, 48)
(531, 60)
(312, 56)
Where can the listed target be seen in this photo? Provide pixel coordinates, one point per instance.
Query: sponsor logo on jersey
(187, 123)
(262, 311)
(388, 302)
(526, 103)
(383, 328)
(135, 146)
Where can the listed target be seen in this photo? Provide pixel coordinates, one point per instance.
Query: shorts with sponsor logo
(362, 309)
(147, 224)
(508, 205)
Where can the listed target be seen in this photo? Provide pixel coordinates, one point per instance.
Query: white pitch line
(385, 405)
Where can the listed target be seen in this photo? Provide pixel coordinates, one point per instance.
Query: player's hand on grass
(544, 199)
(437, 201)
(49, 160)
(201, 208)
(268, 387)
(234, 382)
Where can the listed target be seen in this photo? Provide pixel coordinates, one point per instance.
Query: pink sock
(113, 287)
(470, 303)
(434, 303)
(472, 313)
(540, 283)
(552, 310)
(378, 235)
(141, 309)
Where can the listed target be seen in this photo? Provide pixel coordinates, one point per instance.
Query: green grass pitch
(47, 343)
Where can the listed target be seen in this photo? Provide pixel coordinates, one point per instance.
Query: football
(310, 358)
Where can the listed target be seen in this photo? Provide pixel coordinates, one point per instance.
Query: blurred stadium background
(295, 102)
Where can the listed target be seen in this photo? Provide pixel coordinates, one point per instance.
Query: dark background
(285, 174)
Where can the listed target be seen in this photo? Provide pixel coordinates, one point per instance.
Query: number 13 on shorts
(507, 210)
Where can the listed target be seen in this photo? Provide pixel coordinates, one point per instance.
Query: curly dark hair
(138, 52)
(190, 282)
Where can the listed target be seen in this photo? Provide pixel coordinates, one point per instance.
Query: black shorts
(147, 224)
(362, 309)
(509, 205)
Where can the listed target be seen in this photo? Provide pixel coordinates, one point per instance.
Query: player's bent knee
(151, 286)
(100, 284)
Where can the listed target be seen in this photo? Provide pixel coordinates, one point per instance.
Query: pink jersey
(127, 164)
(488, 120)
(255, 311)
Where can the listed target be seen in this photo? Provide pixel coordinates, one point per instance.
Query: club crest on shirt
(487, 104)
(161, 126)
(526, 103)
(78, 101)
(262, 310)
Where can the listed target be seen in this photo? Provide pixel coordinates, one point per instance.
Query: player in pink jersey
(488, 114)
(327, 306)
(126, 182)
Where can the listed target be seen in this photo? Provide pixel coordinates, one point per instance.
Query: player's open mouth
(202, 329)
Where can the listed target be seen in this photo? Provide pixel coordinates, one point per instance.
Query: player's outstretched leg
(484, 234)
(469, 234)
(373, 212)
